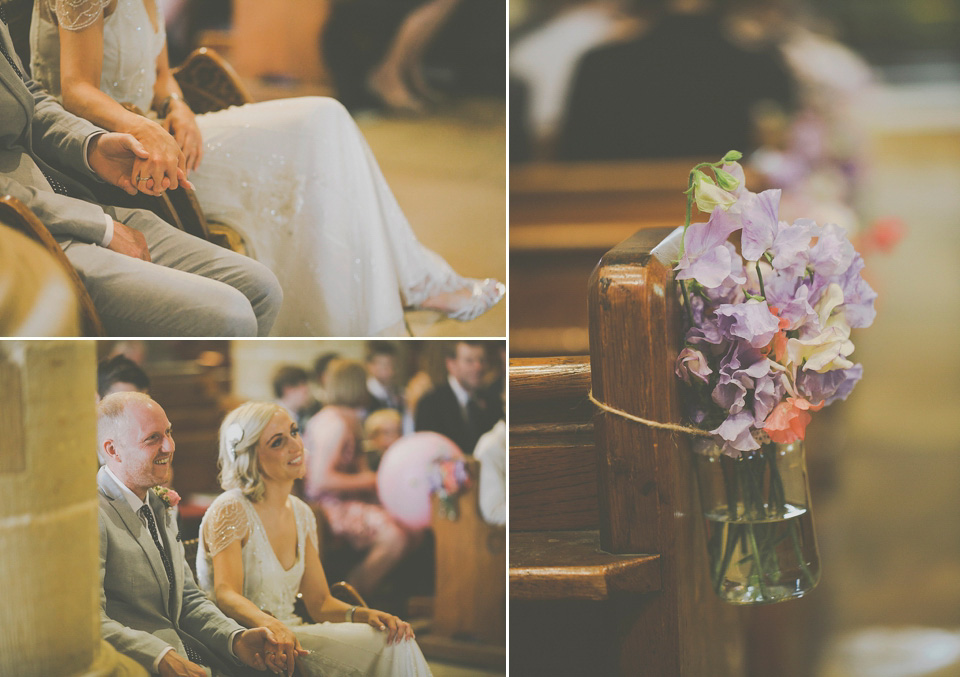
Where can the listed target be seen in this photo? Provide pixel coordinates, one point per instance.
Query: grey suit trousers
(191, 288)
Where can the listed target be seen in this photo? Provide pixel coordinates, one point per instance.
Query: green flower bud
(732, 156)
(726, 180)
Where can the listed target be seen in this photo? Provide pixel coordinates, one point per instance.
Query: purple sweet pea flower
(707, 258)
(759, 216)
(791, 246)
(832, 254)
(829, 386)
(858, 296)
(735, 431)
(767, 394)
(739, 370)
(691, 362)
(790, 296)
(751, 321)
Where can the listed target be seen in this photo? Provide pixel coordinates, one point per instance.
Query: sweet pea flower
(759, 216)
(691, 362)
(829, 349)
(788, 421)
(739, 370)
(829, 386)
(735, 432)
(833, 253)
(707, 256)
(709, 196)
(750, 321)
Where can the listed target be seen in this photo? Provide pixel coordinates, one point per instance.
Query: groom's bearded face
(146, 447)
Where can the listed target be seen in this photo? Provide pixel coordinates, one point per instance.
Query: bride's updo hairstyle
(239, 434)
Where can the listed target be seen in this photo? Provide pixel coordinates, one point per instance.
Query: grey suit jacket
(36, 136)
(134, 601)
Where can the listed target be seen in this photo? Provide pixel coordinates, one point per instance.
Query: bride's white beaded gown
(295, 177)
(336, 649)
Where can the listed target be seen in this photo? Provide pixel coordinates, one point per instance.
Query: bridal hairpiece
(234, 437)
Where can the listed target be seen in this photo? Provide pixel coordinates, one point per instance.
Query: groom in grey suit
(150, 606)
(146, 277)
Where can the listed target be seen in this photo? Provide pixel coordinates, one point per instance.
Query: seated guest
(294, 176)
(382, 377)
(646, 98)
(145, 277)
(120, 374)
(339, 479)
(259, 547)
(459, 408)
(381, 429)
(291, 386)
(150, 607)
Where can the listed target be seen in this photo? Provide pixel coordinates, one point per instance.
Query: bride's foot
(468, 302)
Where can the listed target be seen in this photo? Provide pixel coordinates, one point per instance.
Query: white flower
(828, 350)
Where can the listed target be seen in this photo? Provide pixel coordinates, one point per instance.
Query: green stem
(755, 551)
(798, 551)
(760, 277)
(686, 301)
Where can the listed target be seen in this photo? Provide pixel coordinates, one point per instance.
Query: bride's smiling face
(280, 449)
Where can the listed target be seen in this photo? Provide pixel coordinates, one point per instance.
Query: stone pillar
(49, 561)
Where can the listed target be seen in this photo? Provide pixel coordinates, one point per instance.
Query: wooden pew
(469, 606)
(607, 558)
(563, 217)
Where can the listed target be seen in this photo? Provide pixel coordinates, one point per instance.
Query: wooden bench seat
(571, 565)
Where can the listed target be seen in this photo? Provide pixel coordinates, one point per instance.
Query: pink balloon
(403, 477)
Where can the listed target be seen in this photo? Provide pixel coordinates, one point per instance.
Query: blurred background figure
(119, 374)
(340, 481)
(381, 429)
(460, 408)
(291, 387)
(382, 377)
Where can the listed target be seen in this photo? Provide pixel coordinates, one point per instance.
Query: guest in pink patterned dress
(339, 479)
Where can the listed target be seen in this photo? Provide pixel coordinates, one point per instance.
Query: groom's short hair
(112, 415)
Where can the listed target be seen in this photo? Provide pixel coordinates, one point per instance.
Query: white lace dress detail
(296, 179)
(337, 649)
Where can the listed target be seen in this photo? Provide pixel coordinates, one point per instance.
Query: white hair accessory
(234, 437)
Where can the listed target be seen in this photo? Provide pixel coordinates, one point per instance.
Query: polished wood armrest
(209, 83)
(18, 216)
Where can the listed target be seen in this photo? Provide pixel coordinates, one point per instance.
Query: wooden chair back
(607, 559)
(17, 215)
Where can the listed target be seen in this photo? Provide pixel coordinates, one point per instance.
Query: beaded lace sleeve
(306, 514)
(226, 521)
(75, 15)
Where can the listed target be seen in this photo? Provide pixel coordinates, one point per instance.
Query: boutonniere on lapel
(169, 497)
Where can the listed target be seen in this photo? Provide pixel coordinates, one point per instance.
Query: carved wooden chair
(18, 216)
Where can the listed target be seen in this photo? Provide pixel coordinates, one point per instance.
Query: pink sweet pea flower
(788, 421)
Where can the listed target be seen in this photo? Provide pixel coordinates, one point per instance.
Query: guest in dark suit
(291, 386)
(682, 89)
(382, 377)
(459, 408)
(119, 374)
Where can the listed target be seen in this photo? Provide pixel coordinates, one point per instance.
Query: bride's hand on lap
(182, 124)
(397, 629)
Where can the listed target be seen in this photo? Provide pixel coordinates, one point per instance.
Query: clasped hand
(263, 649)
(123, 161)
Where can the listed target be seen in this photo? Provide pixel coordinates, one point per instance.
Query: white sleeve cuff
(86, 147)
(108, 233)
(156, 662)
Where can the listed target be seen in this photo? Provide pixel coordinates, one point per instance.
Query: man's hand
(129, 242)
(174, 665)
(118, 159)
(260, 649)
